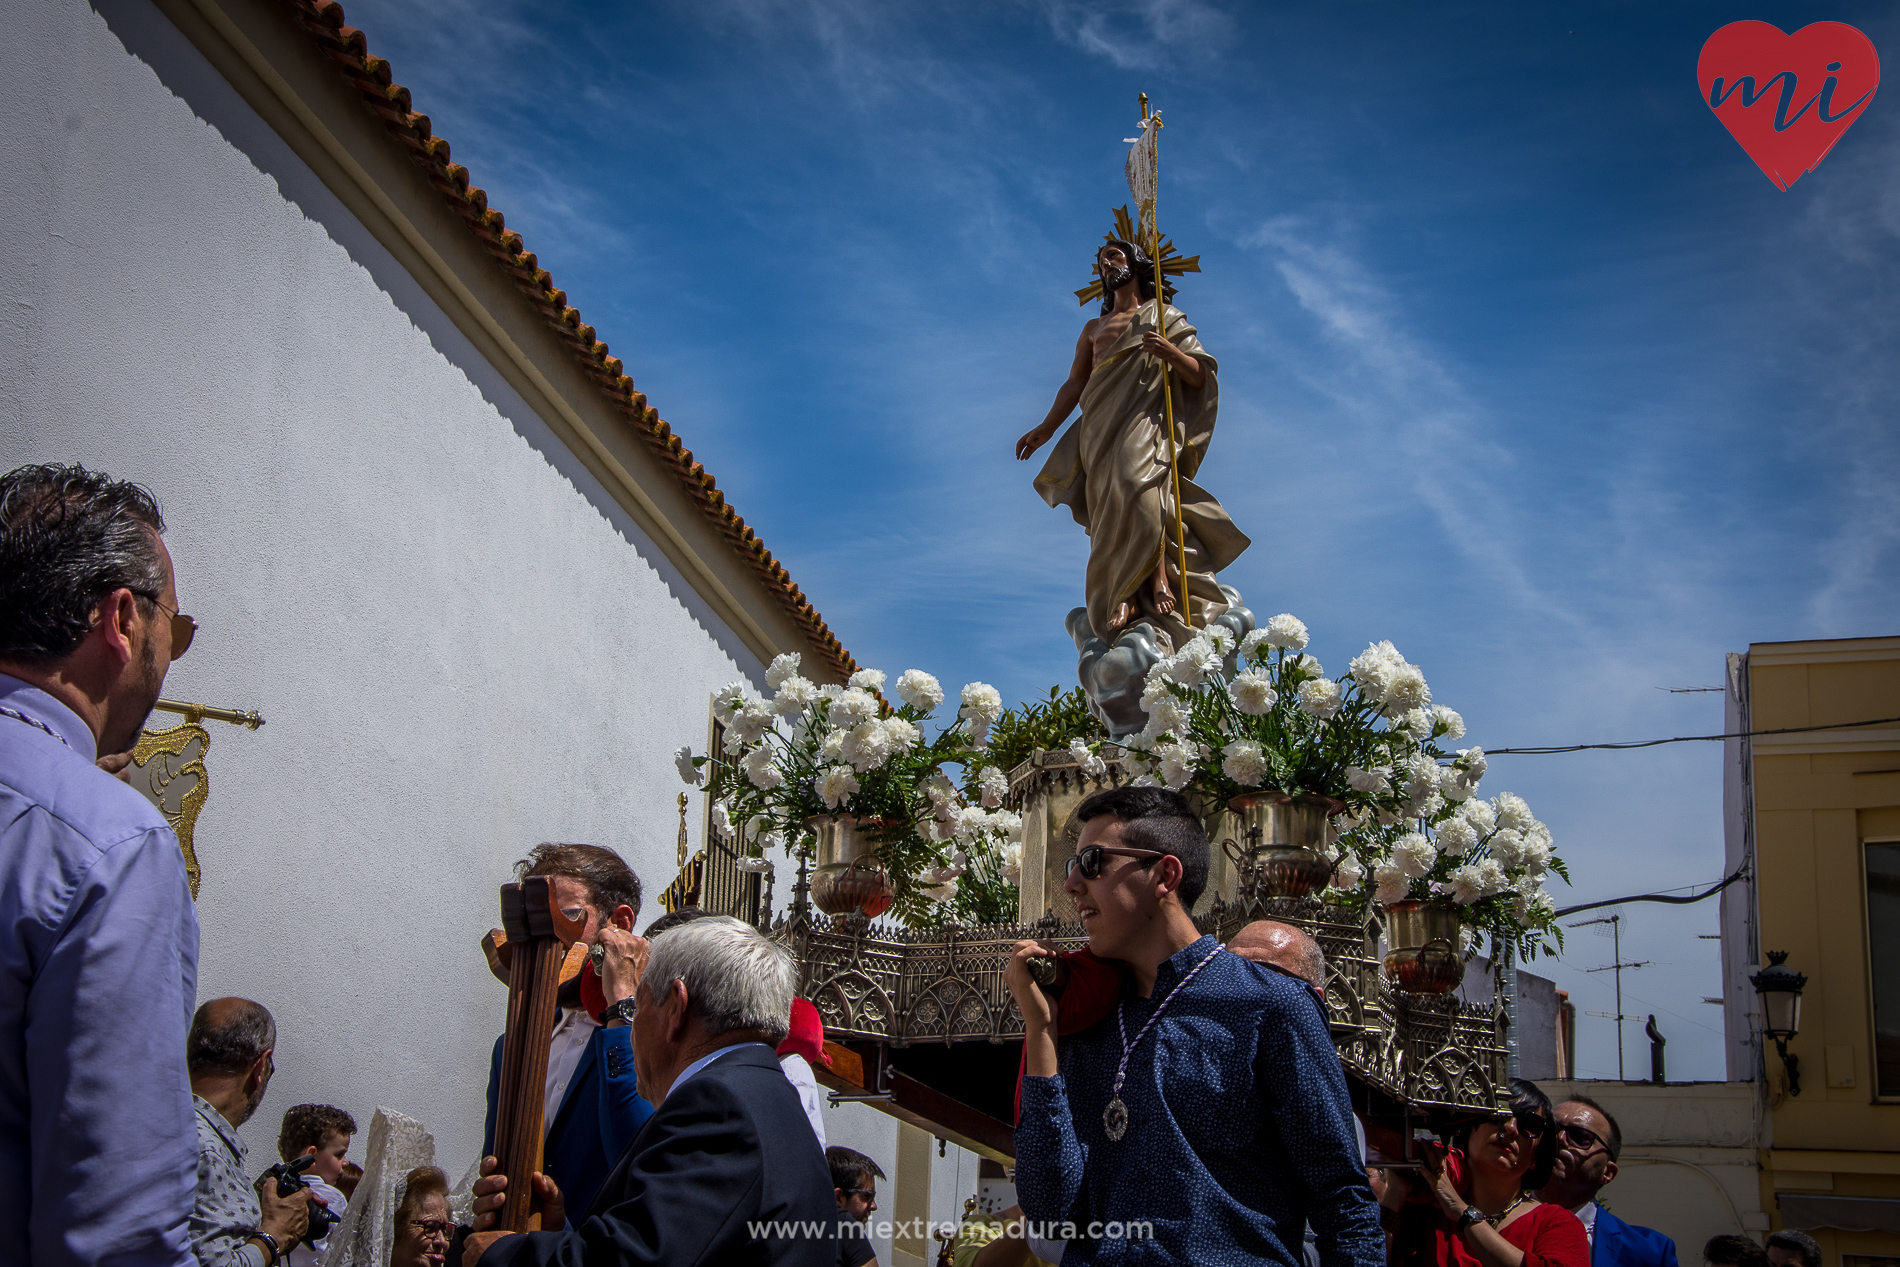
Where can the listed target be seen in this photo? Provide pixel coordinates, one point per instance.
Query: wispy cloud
(1139, 34)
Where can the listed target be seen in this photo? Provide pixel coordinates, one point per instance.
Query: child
(324, 1131)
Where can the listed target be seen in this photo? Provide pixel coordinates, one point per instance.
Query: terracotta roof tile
(390, 102)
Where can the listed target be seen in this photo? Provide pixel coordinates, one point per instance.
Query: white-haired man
(727, 1169)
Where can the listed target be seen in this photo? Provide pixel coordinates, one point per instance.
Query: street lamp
(1780, 989)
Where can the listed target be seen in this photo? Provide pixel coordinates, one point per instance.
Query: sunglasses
(866, 1193)
(184, 628)
(1530, 1124)
(1088, 859)
(1580, 1137)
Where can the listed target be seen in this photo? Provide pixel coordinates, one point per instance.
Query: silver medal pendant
(1115, 1119)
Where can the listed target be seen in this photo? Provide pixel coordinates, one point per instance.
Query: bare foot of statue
(1164, 597)
(1119, 618)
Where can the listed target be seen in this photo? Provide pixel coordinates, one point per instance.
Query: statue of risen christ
(1111, 468)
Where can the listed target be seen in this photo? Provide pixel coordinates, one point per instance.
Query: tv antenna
(1616, 965)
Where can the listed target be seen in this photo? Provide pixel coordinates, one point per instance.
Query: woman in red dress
(1474, 1208)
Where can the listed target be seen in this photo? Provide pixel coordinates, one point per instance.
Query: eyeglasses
(433, 1229)
(1580, 1137)
(184, 628)
(1531, 1125)
(866, 1193)
(1088, 859)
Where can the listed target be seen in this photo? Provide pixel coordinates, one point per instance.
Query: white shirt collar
(1587, 1215)
(705, 1060)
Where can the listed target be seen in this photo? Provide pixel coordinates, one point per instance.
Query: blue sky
(1524, 364)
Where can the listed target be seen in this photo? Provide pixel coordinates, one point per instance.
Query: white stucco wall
(461, 644)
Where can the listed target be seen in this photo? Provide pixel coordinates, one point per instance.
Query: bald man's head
(227, 1036)
(1283, 946)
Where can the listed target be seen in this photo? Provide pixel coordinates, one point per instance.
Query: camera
(289, 1177)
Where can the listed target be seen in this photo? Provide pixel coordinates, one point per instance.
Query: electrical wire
(1652, 743)
(1665, 898)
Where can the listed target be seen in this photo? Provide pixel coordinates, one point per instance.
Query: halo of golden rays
(1172, 262)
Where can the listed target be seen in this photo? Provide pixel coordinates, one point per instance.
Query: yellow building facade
(1814, 820)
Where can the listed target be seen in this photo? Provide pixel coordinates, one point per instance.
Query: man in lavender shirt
(98, 940)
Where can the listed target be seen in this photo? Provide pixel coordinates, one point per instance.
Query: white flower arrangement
(1226, 721)
(812, 750)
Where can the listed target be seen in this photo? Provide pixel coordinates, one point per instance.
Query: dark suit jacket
(1620, 1244)
(726, 1152)
(601, 1113)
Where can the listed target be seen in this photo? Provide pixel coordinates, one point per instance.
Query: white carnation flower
(1178, 764)
(851, 707)
(867, 680)
(992, 786)
(1220, 637)
(1133, 765)
(1538, 851)
(1013, 863)
(1426, 806)
(1415, 722)
(721, 819)
(866, 746)
(1371, 781)
(1453, 725)
(945, 892)
(1288, 632)
(1480, 815)
(683, 762)
(1350, 872)
(940, 829)
(981, 707)
(760, 772)
(727, 701)
(1244, 763)
(837, 786)
(1513, 812)
(832, 749)
(1306, 666)
(1008, 824)
(1386, 817)
(1465, 884)
(900, 734)
(1092, 766)
(795, 695)
(1507, 846)
(1373, 668)
(1456, 836)
(1193, 662)
(1164, 716)
(1472, 761)
(1393, 885)
(1466, 940)
(1533, 907)
(1319, 698)
(782, 667)
(1251, 645)
(1452, 785)
(748, 726)
(1414, 855)
(1406, 690)
(1491, 875)
(1421, 776)
(921, 691)
(972, 820)
(1252, 692)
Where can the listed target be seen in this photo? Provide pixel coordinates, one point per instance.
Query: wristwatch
(276, 1251)
(1471, 1215)
(621, 1011)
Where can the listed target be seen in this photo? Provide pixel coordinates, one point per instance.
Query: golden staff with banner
(1146, 188)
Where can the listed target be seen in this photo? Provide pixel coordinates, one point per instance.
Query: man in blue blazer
(593, 1105)
(727, 1172)
(1589, 1143)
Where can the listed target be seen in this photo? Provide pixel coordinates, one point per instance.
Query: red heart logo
(1787, 98)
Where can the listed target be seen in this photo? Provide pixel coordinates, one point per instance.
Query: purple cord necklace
(1115, 1116)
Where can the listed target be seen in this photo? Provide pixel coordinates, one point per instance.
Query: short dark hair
(849, 1167)
(1160, 820)
(1614, 1144)
(69, 537)
(423, 1181)
(227, 1036)
(311, 1126)
(1801, 1243)
(673, 919)
(609, 880)
(1731, 1250)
